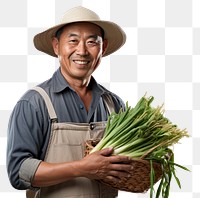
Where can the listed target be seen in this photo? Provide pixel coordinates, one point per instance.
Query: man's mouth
(81, 62)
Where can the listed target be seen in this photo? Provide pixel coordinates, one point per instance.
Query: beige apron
(67, 144)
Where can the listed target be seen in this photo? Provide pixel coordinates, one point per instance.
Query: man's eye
(92, 42)
(72, 41)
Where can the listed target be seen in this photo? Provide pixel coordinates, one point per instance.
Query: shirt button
(92, 126)
(81, 106)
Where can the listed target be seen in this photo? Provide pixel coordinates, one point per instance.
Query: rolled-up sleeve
(27, 170)
(25, 143)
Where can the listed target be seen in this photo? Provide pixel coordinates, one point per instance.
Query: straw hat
(113, 33)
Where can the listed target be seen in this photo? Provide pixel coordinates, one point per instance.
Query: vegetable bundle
(144, 133)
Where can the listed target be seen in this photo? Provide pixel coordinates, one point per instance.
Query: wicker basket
(139, 181)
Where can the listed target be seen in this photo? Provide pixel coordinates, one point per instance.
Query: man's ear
(55, 44)
(105, 46)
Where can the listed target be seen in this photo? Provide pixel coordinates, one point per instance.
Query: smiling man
(79, 48)
(51, 122)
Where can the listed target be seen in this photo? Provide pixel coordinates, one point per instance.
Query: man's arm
(26, 137)
(98, 165)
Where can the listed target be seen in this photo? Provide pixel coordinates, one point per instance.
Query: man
(50, 124)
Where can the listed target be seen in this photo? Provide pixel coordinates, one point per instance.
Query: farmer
(50, 124)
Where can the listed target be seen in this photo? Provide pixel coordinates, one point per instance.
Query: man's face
(79, 49)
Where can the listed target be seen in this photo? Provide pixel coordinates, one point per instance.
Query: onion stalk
(144, 132)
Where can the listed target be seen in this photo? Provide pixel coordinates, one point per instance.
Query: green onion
(144, 132)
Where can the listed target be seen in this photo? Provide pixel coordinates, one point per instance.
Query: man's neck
(82, 88)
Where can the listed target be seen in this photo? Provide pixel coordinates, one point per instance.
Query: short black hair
(60, 30)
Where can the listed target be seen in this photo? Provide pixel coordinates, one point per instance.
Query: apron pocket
(66, 145)
(68, 152)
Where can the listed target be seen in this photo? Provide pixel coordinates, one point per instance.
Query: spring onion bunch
(143, 132)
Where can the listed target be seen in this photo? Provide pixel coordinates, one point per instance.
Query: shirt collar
(60, 84)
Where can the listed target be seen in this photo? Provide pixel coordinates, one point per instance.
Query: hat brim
(114, 34)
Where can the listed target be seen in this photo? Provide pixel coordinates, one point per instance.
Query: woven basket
(139, 182)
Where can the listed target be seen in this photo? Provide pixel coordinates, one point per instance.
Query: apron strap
(48, 103)
(106, 98)
(109, 103)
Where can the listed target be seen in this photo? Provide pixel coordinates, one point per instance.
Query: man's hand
(102, 165)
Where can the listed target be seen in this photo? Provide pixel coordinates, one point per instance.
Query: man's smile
(81, 62)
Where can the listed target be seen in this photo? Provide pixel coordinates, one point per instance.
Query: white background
(161, 57)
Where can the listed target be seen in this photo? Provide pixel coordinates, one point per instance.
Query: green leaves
(143, 132)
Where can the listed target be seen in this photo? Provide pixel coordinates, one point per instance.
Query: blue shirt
(29, 126)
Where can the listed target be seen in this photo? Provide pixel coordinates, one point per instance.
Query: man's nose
(82, 49)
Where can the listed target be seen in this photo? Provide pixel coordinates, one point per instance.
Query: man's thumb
(106, 151)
